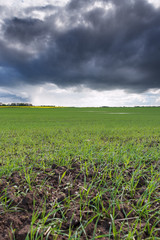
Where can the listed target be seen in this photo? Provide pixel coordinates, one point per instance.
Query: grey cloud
(6, 98)
(73, 5)
(98, 48)
(41, 8)
(24, 30)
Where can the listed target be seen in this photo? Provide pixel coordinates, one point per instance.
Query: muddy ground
(62, 194)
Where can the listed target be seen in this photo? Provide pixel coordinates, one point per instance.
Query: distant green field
(120, 144)
(62, 133)
(126, 118)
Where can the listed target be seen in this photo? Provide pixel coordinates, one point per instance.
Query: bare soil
(19, 200)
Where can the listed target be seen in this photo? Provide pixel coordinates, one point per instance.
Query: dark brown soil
(56, 195)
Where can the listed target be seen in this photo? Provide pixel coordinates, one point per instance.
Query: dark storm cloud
(85, 43)
(24, 30)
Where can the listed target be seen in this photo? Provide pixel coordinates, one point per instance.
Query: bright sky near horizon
(80, 52)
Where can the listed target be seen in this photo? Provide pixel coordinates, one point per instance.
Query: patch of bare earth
(62, 195)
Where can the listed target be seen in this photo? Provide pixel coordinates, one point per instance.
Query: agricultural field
(79, 173)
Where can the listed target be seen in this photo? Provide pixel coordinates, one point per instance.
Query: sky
(80, 52)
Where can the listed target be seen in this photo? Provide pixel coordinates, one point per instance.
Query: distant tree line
(29, 104)
(16, 104)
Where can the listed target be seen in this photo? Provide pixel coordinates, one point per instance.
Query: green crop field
(79, 173)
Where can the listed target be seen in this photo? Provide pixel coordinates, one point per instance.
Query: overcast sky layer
(80, 52)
